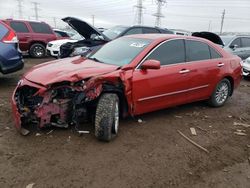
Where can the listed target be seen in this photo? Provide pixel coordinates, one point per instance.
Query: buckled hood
(209, 36)
(83, 28)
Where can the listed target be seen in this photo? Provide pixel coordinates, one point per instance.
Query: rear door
(245, 42)
(237, 50)
(167, 86)
(42, 32)
(23, 34)
(204, 64)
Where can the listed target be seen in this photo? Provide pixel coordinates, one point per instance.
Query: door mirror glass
(151, 64)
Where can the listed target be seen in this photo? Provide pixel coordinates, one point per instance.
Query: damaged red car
(131, 75)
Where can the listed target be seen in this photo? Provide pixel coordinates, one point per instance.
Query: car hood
(68, 69)
(83, 28)
(209, 36)
(62, 41)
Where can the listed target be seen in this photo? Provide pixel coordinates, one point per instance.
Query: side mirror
(233, 46)
(151, 64)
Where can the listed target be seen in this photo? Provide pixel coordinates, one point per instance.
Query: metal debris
(49, 132)
(201, 128)
(192, 142)
(38, 134)
(242, 124)
(140, 121)
(83, 132)
(24, 132)
(193, 131)
(178, 117)
(30, 185)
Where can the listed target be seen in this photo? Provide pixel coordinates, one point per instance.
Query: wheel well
(39, 42)
(232, 84)
(119, 90)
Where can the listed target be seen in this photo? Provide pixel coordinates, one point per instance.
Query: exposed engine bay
(62, 105)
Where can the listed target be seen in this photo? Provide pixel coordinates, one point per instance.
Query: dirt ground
(147, 154)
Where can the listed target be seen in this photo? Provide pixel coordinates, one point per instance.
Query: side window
(19, 27)
(150, 30)
(245, 42)
(40, 28)
(58, 34)
(134, 31)
(170, 52)
(197, 51)
(236, 42)
(214, 53)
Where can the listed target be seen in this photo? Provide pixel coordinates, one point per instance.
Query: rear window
(19, 27)
(40, 28)
(61, 34)
(197, 51)
(150, 30)
(3, 31)
(214, 53)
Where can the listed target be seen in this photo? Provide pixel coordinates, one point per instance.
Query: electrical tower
(138, 14)
(158, 14)
(36, 9)
(222, 20)
(20, 8)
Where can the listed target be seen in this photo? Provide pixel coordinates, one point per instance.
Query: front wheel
(107, 117)
(221, 93)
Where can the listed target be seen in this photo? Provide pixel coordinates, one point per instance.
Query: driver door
(164, 87)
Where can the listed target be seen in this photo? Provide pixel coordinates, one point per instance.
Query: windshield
(77, 37)
(120, 51)
(226, 39)
(113, 32)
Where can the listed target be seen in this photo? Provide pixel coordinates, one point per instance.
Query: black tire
(107, 117)
(37, 50)
(221, 93)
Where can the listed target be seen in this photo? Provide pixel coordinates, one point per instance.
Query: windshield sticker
(137, 44)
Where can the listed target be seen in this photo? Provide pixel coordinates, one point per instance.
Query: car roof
(163, 36)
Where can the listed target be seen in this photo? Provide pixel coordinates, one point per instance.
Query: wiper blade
(95, 59)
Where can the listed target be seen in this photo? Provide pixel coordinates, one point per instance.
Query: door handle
(183, 71)
(220, 64)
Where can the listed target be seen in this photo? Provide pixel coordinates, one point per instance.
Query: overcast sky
(193, 15)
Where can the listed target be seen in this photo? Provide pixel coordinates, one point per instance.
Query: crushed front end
(61, 104)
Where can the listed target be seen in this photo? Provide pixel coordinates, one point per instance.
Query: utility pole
(158, 14)
(222, 20)
(36, 9)
(20, 8)
(209, 25)
(54, 19)
(93, 20)
(138, 14)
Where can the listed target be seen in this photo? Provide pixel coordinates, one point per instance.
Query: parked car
(33, 36)
(61, 34)
(246, 68)
(53, 47)
(94, 39)
(10, 57)
(238, 45)
(111, 82)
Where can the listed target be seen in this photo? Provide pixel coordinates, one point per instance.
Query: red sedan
(128, 76)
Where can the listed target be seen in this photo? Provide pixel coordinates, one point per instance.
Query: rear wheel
(107, 117)
(221, 93)
(37, 50)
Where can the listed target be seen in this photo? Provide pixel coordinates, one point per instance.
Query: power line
(158, 14)
(138, 14)
(222, 20)
(20, 8)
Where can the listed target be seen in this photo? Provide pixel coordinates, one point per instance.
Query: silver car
(246, 67)
(238, 45)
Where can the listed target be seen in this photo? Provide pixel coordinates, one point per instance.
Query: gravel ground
(147, 154)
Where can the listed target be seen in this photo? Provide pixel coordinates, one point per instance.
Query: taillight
(10, 37)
